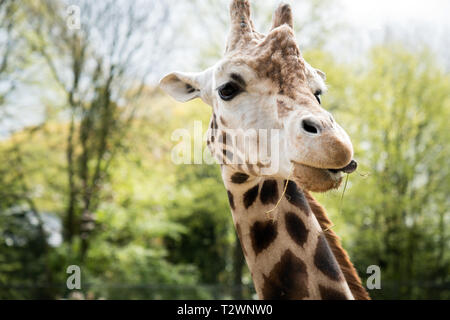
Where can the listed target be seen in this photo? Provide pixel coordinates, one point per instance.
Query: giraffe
(263, 84)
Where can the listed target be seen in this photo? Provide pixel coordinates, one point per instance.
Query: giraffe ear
(321, 74)
(185, 86)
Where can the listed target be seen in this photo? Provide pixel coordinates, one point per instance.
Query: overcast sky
(376, 13)
(417, 23)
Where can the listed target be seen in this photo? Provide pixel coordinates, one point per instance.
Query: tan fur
(277, 58)
(283, 15)
(264, 257)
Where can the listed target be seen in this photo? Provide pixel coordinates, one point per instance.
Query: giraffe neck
(350, 274)
(286, 250)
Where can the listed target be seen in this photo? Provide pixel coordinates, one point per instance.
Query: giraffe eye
(317, 95)
(228, 91)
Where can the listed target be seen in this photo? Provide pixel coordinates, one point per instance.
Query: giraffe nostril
(309, 126)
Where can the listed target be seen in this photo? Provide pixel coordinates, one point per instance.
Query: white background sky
(416, 22)
(376, 13)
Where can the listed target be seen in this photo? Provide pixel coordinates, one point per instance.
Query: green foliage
(395, 210)
(162, 230)
(21, 261)
(201, 207)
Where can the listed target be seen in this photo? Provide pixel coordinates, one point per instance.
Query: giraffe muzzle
(351, 167)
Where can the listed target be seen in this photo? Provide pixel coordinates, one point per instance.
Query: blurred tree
(152, 229)
(101, 69)
(23, 239)
(14, 55)
(395, 212)
(94, 64)
(128, 257)
(406, 104)
(8, 41)
(200, 205)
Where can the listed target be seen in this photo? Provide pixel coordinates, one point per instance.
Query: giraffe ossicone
(263, 84)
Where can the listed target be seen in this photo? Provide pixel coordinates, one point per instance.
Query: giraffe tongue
(348, 168)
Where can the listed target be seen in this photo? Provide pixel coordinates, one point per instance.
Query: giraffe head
(263, 86)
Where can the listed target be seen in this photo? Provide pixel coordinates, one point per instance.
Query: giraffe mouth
(319, 179)
(351, 167)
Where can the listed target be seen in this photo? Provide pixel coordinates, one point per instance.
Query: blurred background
(86, 176)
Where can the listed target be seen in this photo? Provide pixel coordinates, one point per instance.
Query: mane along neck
(286, 250)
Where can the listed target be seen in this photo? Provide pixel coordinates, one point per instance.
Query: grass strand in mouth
(340, 203)
(342, 196)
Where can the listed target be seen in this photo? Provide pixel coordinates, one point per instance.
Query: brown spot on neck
(269, 192)
(239, 177)
(250, 196)
(296, 228)
(325, 260)
(231, 199)
(263, 233)
(287, 280)
(295, 196)
(330, 294)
